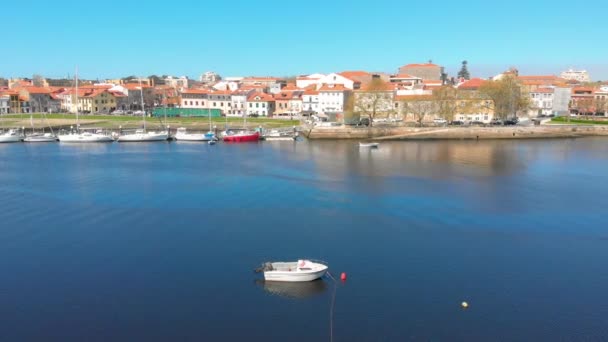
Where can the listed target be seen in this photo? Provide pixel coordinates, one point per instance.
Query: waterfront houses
(332, 98)
(5, 100)
(310, 101)
(260, 104)
(239, 103)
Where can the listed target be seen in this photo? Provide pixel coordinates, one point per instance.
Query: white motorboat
(183, 135)
(84, 137)
(369, 145)
(297, 271)
(41, 137)
(292, 290)
(141, 135)
(10, 136)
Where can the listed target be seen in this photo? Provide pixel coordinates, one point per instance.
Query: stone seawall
(410, 133)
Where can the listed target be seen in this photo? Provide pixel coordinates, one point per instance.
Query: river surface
(158, 241)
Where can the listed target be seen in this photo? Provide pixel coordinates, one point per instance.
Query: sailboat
(142, 135)
(10, 136)
(76, 136)
(242, 136)
(41, 136)
(183, 135)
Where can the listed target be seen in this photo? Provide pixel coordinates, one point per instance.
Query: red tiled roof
(423, 65)
(196, 91)
(263, 97)
(398, 76)
(357, 73)
(136, 86)
(472, 84)
(332, 87)
(37, 90)
(543, 90)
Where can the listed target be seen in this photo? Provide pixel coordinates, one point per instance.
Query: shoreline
(452, 133)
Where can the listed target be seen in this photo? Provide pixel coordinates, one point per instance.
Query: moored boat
(297, 271)
(84, 137)
(369, 145)
(41, 137)
(245, 136)
(141, 135)
(10, 136)
(183, 135)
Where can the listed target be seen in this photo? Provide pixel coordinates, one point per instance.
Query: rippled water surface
(158, 241)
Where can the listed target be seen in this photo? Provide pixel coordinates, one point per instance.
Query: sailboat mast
(141, 89)
(76, 99)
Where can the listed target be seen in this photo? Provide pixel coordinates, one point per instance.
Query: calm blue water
(158, 241)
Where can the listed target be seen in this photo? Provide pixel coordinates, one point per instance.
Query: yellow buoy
(464, 305)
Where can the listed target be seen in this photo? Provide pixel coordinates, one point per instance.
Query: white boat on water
(78, 136)
(10, 136)
(141, 135)
(183, 135)
(84, 137)
(369, 145)
(297, 271)
(41, 137)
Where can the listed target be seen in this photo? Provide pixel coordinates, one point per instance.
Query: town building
(239, 102)
(177, 82)
(274, 84)
(425, 71)
(307, 81)
(96, 100)
(210, 77)
(576, 75)
(332, 98)
(310, 101)
(5, 103)
(376, 102)
(260, 104)
(288, 103)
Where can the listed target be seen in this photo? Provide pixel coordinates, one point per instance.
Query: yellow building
(96, 101)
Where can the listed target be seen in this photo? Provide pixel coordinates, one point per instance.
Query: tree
(420, 106)
(156, 80)
(507, 96)
(464, 72)
(375, 98)
(446, 102)
(38, 80)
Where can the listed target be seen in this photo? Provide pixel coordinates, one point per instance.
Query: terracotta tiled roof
(260, 97)
(135, 86)
(472, 84)
(543, 90)
(37, 90)
(357, 73)
(311, 92)
(423, 65)
(196, 91)
(406, 76)
(332, 87)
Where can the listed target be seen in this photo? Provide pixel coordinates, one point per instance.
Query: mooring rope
(331, 308)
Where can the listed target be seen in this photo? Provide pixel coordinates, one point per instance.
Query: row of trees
(504, 97)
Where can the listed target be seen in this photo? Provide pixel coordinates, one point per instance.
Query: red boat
(242, 137)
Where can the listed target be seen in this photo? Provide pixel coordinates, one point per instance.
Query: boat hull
(40, 139)
(251, 137)
(143, 137)
(10, 139)
(192, 137)
(85, 138)
(293, 276)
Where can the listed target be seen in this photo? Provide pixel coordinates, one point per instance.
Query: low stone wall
(410, 133)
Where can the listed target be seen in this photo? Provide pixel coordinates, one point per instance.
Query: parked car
(118, 112)
(496, 122)
(440, 121)
(456, 123)
(477, 123)
(511, 122)
(363, 122)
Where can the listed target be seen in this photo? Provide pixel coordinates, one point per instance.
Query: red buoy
(343, 276)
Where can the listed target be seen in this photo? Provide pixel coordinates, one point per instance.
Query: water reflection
(293, 290)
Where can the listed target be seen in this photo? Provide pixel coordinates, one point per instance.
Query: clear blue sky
(110, 38)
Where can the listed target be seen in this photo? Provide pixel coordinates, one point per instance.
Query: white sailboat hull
(144, 137)
(191, 137)
(10, 138)
(40, 138)
(84, 138)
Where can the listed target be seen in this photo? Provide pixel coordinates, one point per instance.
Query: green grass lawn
(115, 121)
(578, 121)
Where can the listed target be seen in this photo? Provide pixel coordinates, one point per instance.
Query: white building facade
(576, 75)
(4, 104)
(332, 98)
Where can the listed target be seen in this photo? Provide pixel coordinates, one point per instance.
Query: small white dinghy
(302, 270)
(369, 145)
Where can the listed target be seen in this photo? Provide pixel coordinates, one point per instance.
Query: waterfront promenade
(438, 133)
